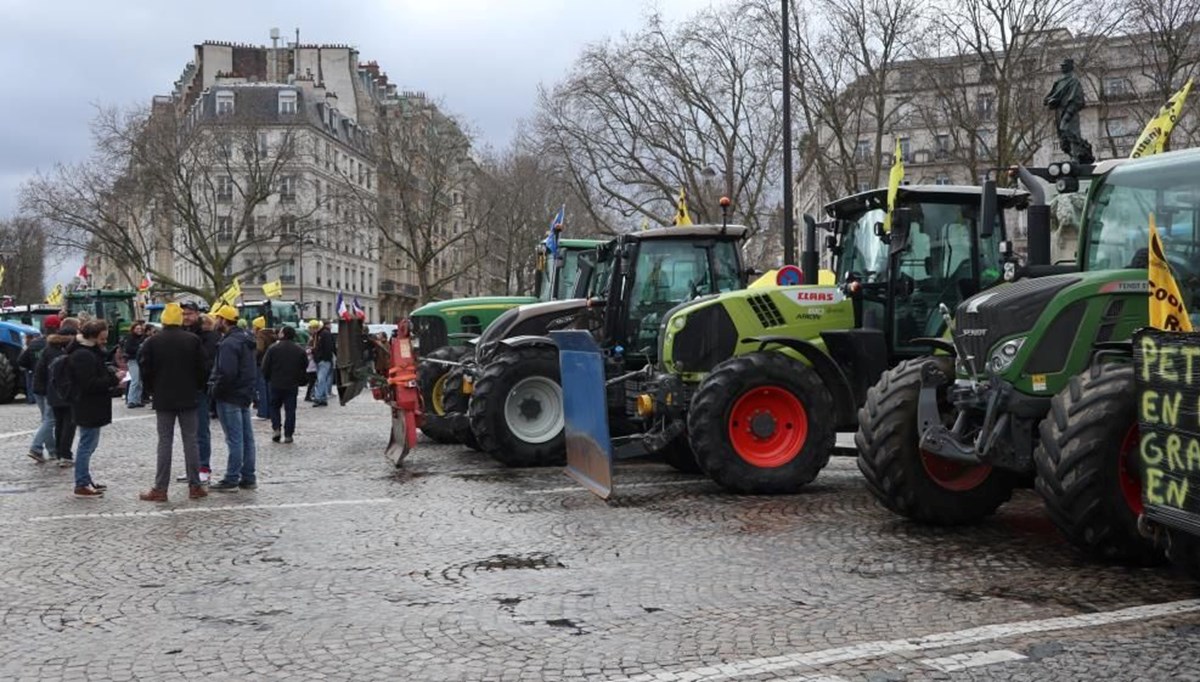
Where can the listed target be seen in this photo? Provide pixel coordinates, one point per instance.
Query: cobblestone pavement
(335, 568)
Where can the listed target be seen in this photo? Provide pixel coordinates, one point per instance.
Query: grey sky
(483, 58)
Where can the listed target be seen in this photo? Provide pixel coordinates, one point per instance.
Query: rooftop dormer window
(287, 102)
(224, 103)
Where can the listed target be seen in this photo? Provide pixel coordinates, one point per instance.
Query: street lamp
(300, 243)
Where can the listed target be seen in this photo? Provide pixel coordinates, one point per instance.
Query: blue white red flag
(556, 226)
(343, 311)
(358, 310)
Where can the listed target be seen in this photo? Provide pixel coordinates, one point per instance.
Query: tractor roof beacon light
(725, 202)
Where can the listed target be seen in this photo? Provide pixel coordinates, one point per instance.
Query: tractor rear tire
(762, 424)
(516, 410)
(908, 481)
(9, 379)
(1087, 465)
(460, 423)
(439, 404)
(678, 454)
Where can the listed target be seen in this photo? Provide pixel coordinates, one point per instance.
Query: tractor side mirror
(987, 209)
(901, 226)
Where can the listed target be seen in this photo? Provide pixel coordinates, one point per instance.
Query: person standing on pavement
(202, 327)
(133, 342)
(43, 438)
(263, 338)
(93, 383)
(284, 366)
(232, 387)
(60, 406)
(313, 326)
(173, 366)
(323, 350)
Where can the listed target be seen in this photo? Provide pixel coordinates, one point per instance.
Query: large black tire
(1091, 428)
(489, 404)
(439, 404)
(460, 423)
(9, 380)
(910, 483)
(678, 453)
(786, 392)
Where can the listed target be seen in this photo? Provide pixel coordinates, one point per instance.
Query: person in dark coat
(91, 399)
(64, 425)
(173, 366)
(232, 387)
(43, 438)
(130, 346)
(194, 322)
(324, 348)
(285, 367)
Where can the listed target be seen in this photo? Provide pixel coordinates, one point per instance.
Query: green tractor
(116, 306)
(751, 386)
(1038, 382)
(442, 329)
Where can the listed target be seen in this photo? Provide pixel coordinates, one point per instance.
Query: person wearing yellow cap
(232, 386)
(263, 339)
(174, 367)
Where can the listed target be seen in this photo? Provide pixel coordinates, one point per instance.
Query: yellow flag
(1154, 138)
(1, 275)
(681, 215)
(1167, 308)
(894, 177)
(273, 289)
(55, 297)
(232, 294)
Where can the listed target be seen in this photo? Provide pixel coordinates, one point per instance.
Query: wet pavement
(336, 568)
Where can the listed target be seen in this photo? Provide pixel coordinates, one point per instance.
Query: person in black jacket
(130, 346)
(28, 361)
(195, 323)
(285, 367)
(232, 387)
(173, 368)
(64, 425)
(323, 350)
(91, 399)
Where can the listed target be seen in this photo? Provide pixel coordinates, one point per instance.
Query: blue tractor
(14, 336)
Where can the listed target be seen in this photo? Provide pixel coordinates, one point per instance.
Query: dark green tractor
(1037, 381)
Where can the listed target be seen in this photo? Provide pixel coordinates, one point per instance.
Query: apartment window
(317, 192)
(361, 174)
(1117, 87)
(224, 188)
(328, 156)
(371, 283)
(942, 179)
(287, 101)
(862, 150)
(329, 273)
(287, 272)
(224, 103)
(1117, 127)
(941, 146)
(982, 147)
(287, 225)
(224, 229)
(287, 188)
(985, 105)
(338, 281)
(264, 146)
(987, 73)
(906, 149)
(318, 272)
(362, 281)
(368, 179)
(864, 186)
(224, 149)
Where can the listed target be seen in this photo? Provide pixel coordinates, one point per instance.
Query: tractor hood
(532, 319)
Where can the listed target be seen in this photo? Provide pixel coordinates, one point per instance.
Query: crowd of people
(195, 368)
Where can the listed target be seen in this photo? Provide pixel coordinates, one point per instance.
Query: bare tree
(22, 255)
(691, 106)
(215, 194)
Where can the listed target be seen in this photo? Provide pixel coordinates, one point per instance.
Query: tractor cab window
(593, 274)
(568, 274)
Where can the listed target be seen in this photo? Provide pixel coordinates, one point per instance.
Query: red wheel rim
(1127, 470)
(954, 476)
(768, 426)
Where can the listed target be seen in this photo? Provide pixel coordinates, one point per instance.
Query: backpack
(60, 384)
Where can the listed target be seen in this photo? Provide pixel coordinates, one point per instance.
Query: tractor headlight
(1002, 358)
(679, 323)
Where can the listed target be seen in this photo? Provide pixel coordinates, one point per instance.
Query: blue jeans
(239, 437)
(44, 438)
(203, 430)
(324, 381)
(134, 395)
(283, 400)
(89, 438)
(29, 396)
(262, 396)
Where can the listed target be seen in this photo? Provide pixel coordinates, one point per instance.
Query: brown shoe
(88, 491)
(153, 495)
(195, 492)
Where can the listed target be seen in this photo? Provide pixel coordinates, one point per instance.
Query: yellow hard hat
(313, 324)
(226, 312)
(259, 322)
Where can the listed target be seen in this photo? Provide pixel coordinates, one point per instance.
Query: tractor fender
(936, 343)
(528, 340)
(845, 408)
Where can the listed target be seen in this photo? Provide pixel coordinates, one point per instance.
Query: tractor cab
(557, 274)
(112, 305)
(937, 253)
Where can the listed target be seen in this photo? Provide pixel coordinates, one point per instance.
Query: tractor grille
(708, 338)
(766, 310)
(982, 320)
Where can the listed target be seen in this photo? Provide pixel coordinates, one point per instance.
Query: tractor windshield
(1118, 218)
(561, 284)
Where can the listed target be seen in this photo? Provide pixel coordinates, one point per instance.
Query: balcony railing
(287, 279)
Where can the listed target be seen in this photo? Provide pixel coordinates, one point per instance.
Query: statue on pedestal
(1066, 98)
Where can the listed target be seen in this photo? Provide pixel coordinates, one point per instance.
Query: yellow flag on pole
(894, 178)
(1154, 138)
(55, 297)
(273, 289)
(1167, 308)
(681, 214)
(232, 294)
(1, 275)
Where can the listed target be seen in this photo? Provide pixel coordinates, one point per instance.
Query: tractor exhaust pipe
(808, 259)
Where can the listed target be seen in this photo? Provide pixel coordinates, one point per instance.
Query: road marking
(622, 486)
(974, 659)
(14, 434)
(941, 640)
(209, 510)
(812, 678)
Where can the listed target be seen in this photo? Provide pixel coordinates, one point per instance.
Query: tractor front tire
(460, 422)
(1087, 466)
(438, 402)
(908, 481)
(516, 410)
(9, 379)
(762, 424)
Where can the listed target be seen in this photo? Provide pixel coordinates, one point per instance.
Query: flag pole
(789, 222)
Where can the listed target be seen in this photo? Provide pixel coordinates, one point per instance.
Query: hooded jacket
(234, 372)
(94, 383)
(56, 345)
